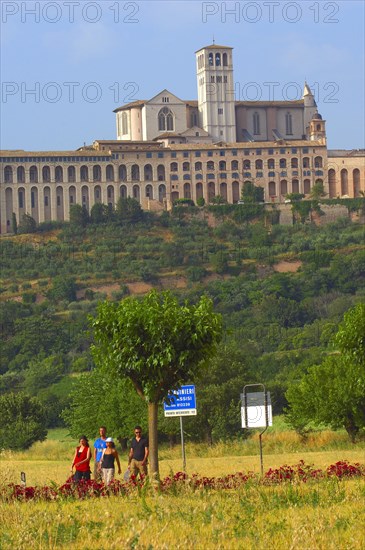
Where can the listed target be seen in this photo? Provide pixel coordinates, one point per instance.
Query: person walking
(110, 454)
(99, 446)
(81, 460)
(138, 454)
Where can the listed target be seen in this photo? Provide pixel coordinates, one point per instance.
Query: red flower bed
(300, 472)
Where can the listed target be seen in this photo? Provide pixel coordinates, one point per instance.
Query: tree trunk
(152, 440)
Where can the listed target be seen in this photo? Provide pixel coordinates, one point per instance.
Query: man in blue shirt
(99, 446)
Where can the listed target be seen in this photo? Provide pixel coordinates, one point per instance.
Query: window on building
(165, 120)
(21, 199)
(222, 153)
(219, 79)
(165, 99)
(225, 61)
(212, 79)
(225, 79)
(220, 111)
(256, 123)
(217, 59)
(210, 59)
(124, 123)
(289, 124)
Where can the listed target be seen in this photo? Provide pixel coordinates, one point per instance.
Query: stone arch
(85, 200)
(8, 174)
(59, 203)
(161, 192)
(307, 187)
(97, 172)
(110, 195)
(58, 177)
(109, 172)
(20, 174)
(136, 192)
(344, 182)
(199, 190)
(318, 162)
(356, 182)
(47, 198)
(272, 189)
(33, 174)
(21, 202)
(122, 172)
(34, 209)
(97, 194)
(187, 191)
(149, 191)
(84, 173)
(283, 187)
(161, 172)
(135, 173)
(332, 183)
(71, 174)
(46, 174)
(295, 186)
(9, 208)
(148, 172)
(123, 193)
(223, 190)
(235, 191)
(72, 195)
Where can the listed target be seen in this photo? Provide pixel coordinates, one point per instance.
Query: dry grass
(322, 516)
(319, 515)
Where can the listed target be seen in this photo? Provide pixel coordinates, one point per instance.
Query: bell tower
(216, 101)
(317, 128)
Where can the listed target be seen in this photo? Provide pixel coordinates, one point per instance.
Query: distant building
(168, 148)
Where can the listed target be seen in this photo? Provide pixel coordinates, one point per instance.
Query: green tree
(22, 421)
(79, 215)
(156, 343)
(63, 288)
(14, 223)
(27, 224)
(97, 398)
(128, 210)
(333, 393)
(317, 190)
(252, 193)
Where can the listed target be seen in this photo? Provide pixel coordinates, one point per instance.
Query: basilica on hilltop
(167, 148)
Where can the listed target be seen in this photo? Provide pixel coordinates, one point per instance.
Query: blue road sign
(182, 402)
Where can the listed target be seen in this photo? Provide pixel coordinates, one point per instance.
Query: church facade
(168, 148)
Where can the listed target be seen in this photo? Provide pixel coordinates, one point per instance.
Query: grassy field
(321, 514)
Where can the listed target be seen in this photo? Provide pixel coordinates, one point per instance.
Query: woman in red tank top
(81, 460)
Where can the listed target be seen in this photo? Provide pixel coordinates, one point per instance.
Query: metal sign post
(256, 412)
(181, 402)
(182, 444)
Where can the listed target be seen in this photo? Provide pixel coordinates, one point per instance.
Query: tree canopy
(333, 393)
(158, 344)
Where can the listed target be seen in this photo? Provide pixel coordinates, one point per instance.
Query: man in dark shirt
(138, 454)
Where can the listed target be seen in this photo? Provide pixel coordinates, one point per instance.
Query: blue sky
(82, 59)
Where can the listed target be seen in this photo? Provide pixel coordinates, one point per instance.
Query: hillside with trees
(282, 292)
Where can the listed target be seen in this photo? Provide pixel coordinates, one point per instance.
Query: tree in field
(333, 393)
(156, 343)
(22, 421)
